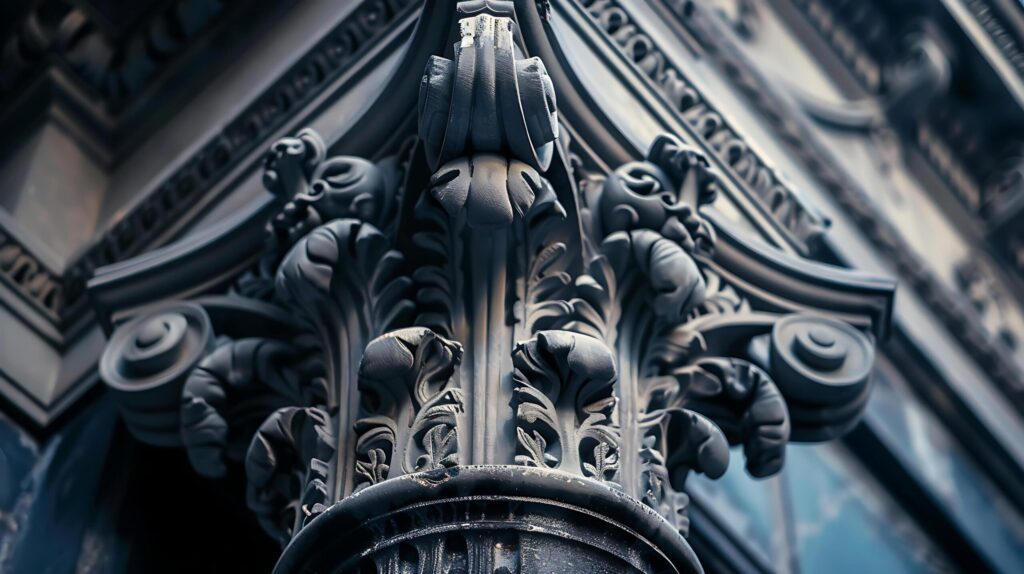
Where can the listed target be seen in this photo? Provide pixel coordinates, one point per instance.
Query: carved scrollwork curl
(823, 367)
(564, 404)
(819, 360)
(662, 193)
(146, 363)
(317, 189)
(348, 186)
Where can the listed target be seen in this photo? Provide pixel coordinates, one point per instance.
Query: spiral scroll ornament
(146, 363)
(823, 367)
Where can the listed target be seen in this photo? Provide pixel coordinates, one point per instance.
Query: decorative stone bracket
(494, 369)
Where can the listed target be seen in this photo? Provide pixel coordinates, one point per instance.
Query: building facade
(512, 286)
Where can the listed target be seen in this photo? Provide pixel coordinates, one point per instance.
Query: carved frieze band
(29, 276)
(1004, 39)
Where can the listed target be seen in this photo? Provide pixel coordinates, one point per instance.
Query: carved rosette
(462, 360)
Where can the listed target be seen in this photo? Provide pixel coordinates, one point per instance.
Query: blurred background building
(879, 135)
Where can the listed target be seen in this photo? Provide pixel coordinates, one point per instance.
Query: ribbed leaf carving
(562, 397)
(410, 405)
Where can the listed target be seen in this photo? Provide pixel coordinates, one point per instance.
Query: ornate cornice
(464, 357)
(113, 66)
(858, 34)
(994, 24)
(957, 314)
(60, 296)
(974, 161)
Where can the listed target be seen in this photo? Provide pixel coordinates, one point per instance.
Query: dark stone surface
(498, 519)
(504, 339)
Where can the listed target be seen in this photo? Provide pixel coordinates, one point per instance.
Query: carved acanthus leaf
(410, 405)
(492, 190)
(749, 409)
(672, 283)
(544, 253)
(487, 100)
(262, 373)
(287, 468)
(346, 268)
(564, 404)
(638, 283)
